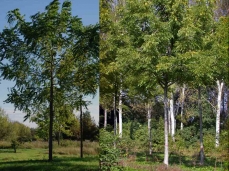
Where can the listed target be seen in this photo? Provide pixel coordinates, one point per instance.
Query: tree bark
(115, 117)
(81, 128)
(169, 119)
(219, 99)
(166, 149)
(58, 137)
(172, 117)
(51, 112)
(201, 127)
(105, 118)
(120, 114)
(149, 127)
(182, 106)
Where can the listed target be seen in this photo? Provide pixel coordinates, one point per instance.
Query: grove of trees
(164, 64)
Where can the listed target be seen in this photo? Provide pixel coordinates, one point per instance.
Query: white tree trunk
(220, 88)
(149, 128)
(120, 114)
(166, 149)
(182, 106)
(169, 119)
(105, 118)
(172, 118)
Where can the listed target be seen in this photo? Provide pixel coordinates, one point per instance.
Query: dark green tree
(44, 58)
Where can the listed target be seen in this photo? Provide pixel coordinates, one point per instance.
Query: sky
(87, 10)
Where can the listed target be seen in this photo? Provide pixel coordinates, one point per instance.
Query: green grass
(36, 159)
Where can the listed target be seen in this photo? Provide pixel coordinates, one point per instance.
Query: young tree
(219, 51)
(194, 46)
(151, 29)
(42, 58)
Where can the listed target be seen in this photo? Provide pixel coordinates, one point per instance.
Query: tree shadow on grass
(194, 161)
(178, 160)
(58, 164)
(155, 157)
(5, 151)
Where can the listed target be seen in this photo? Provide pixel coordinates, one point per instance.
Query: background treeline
(13, 130)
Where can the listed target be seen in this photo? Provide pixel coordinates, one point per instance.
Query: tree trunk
(166, 149)
(182, 106)
(172, 118)
(115, 118)
(169, 120)
(220, 88)
(149, 128)
(81, 128)
(201, 127)
(120, 114)
(105, 118)
(58, 137)
(51, 112)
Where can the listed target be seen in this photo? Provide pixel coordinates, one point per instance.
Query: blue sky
(87, 10)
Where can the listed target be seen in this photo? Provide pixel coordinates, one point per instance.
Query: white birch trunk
(120, 114)
(166, 149)
(149, 128)
(169, 119)
(220, 88)
(105, 118)
(182, 106)
(172, 118)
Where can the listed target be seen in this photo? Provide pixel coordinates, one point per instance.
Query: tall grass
(66, 147)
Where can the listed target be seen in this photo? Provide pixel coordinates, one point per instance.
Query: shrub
(108, 153)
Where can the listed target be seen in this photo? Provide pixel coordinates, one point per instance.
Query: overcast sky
(87, 10)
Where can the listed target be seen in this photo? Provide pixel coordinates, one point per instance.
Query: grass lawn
(36, 159)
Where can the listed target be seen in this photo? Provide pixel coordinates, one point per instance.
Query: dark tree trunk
(81, 129)
(58, 137)
(201, 127)
(115, 116)
(51, 114)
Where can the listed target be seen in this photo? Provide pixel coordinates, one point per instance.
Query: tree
(219, 49)
(42, 58)
(151, 29)
(194, 45)
(5, 128)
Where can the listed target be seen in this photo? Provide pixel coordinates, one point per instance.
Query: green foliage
(157, 134)
(53, 60)
(13, 130)
(90, 129)
(108, 152)
(15, 144)
(134, 137)
(5, 128)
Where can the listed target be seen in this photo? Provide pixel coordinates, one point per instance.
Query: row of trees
(13, 130)
(53, 61)
(148, 49)
(16, 131)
